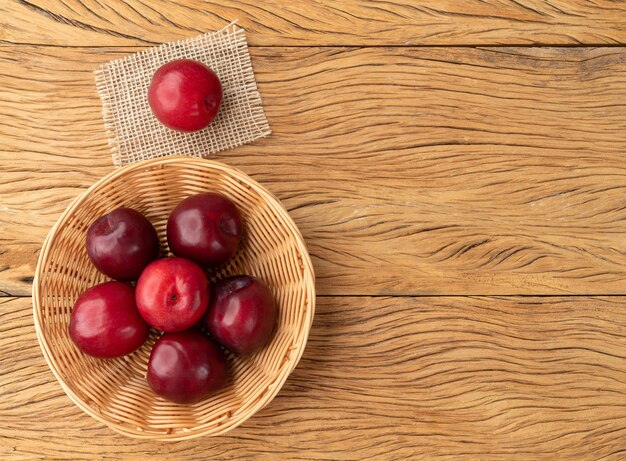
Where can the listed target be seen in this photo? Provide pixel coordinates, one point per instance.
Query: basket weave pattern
(115, 391)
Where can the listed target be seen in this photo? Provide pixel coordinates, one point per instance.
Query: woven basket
(115, 391)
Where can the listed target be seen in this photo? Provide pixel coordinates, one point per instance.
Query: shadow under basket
(115, 391)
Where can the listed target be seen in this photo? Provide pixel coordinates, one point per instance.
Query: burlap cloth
(133, 131)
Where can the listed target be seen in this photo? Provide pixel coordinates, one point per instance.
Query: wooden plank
(305, 23)
(409, 171)
(381, 378)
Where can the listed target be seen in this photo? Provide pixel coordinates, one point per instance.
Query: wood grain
(408, 171)
(305, 23)
(382, 378)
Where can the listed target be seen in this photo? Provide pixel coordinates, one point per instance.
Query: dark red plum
(105, 321)
(122, 243)
(241, 314)
(186, 366)
(185, 95)
(172, 294)
(205, 228)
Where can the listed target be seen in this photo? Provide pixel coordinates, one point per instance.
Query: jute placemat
(133, 131)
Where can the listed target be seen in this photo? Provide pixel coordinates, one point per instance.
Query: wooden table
(458, 172)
